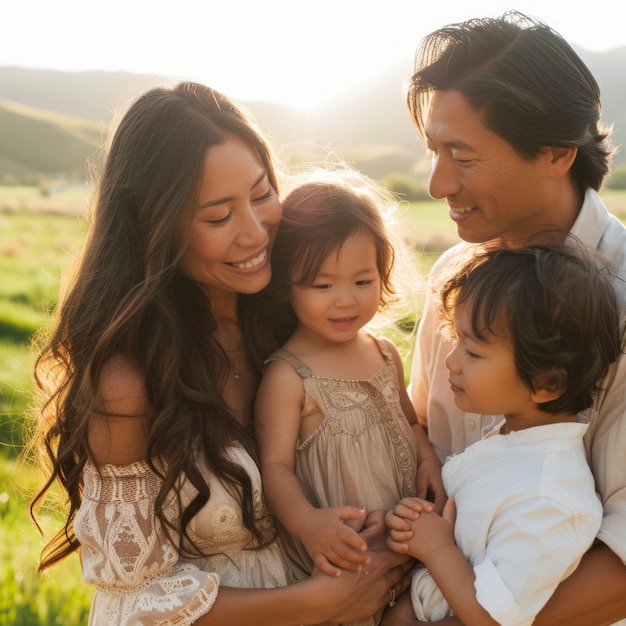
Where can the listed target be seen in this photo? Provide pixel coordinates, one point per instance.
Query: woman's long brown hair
(128, 298)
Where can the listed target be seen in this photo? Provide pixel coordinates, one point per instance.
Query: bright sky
(298, 52)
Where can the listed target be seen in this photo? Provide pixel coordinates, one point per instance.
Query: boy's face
(482, 372)
(492, 192)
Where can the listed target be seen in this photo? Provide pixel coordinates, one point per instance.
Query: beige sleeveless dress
(363, 452)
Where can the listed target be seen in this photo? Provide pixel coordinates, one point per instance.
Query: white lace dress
(139, 576)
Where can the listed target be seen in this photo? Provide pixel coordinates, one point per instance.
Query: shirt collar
(592, 220)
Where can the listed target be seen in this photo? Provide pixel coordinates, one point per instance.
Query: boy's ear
(549, 385)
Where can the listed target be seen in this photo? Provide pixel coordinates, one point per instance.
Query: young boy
(536, 329)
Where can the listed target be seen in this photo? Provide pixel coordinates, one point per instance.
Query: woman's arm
(313, 601)
(322, 598)
(118, 433)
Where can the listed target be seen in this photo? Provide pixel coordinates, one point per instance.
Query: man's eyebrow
(452, 144)
(219, 201)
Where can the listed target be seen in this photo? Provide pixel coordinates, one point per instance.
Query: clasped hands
(415, 528)
(334, 540)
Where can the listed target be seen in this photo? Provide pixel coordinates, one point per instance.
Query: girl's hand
(333, 543)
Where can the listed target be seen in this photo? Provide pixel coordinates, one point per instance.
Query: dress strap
(383, 346)
(289, 357)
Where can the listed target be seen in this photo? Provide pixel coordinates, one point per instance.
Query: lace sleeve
(137, 573)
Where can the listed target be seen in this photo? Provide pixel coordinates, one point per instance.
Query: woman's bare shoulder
(118, 430)
(122, 387)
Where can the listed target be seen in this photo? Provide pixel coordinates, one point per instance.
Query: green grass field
(36, 242)
(39, 235)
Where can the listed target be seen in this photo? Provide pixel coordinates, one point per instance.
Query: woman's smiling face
(234, 221)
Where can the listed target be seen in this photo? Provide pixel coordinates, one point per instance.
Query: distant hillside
(376, 113)
(36, 142)
(91, 95)
(53, 121)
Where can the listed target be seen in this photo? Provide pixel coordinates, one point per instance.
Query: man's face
(492, 192)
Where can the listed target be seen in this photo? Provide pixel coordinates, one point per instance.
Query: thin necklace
(233, 364)
(229, 352)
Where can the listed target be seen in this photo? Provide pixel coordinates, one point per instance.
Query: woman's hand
(401, 614)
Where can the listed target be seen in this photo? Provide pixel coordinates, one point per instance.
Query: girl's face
(482, 374)
(345, 294)
(234, 222)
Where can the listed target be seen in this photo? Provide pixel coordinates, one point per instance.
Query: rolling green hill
(37, 142)
(61, 119)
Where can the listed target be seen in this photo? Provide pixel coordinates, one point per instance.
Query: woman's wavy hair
(531, 86)
(555, 303)
(129, 298)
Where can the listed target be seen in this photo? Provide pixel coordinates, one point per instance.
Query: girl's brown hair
(319, 215)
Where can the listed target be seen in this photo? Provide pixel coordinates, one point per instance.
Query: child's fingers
(351, 560)
(343, 553)
(410, 508)
(395, 522)
(397, 546)
(417, 504)
(353, 517)
(324, 565)
(351, 538)
(401, 536)
(407, 512)
(343, 557)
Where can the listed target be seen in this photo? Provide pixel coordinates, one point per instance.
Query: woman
(150, 374)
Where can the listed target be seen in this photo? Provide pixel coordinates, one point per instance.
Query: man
(511, 117)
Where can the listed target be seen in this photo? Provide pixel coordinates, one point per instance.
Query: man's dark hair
(532, 88)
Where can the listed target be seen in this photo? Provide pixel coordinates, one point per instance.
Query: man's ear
(560, 160)
(549, 385)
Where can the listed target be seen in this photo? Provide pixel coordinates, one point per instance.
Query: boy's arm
(432, 543)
